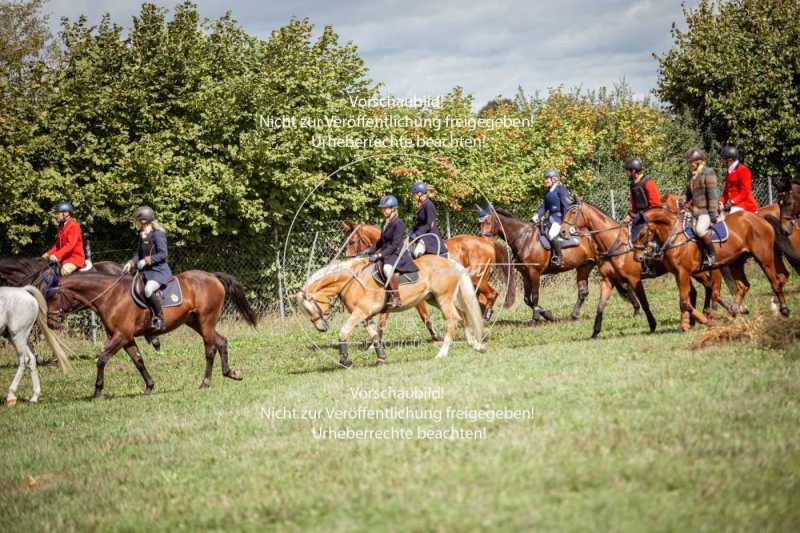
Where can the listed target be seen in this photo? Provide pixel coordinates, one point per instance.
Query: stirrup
(157, 323)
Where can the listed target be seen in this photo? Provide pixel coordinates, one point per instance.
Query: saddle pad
(719, 231)
(405, 279)
(171, 296)
(569, 243)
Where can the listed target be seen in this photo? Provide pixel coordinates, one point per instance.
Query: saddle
(719, 231)
(407, 278)
(171, 296)
(572, 242)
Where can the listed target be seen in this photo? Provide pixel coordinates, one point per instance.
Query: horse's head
(789, 200)
(575, 219)
(673, 202)
(58, 305)
(489, 223)
(317, 296)
(359, 238)
(658, 222)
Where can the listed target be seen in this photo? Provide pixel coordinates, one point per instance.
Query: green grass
(630, 432)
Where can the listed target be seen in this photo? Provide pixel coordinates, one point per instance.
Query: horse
(204, 296)
(477, 254)
(442, 282)
(612, 240)
(20, 308)
(534, 260)
(750, 235)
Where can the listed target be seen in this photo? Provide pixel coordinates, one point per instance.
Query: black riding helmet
(729, 152)
(634, 163)
(63, 207)
(144, 214)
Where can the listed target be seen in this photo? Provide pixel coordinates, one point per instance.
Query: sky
(490, 48)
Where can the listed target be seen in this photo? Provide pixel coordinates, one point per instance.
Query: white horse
(19, 309)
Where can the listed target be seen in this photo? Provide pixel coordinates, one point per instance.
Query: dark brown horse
(619, 266)
(750, 236)
(480, 256)
(203, 299)
(533, 260)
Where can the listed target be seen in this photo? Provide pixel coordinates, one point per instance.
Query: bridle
(612, 250)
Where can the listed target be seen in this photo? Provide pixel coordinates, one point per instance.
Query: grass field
(630, 432)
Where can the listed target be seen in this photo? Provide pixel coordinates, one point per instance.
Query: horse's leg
(136, 358)
(487, 293)
(451, 321)
(768, 266)
(352, 322)
(377, 342)
(538, 312)
(37, 388)
(382, 324)
(11, 398)
(606, 289)
(422, 309)
(641, 295)
(582, 275)
(221, 344)
(112, 346)
(783, 277)
(693, 301)
(742, 284)
(687, 309)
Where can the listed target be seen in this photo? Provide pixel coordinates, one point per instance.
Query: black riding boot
(155, 307)
(394, 298)
(708, 246)
(556, 258)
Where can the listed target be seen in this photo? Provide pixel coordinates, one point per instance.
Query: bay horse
(619, 266)
(442, 283)
(749, 236)
(478, 255)
(204, 296)
(534, 260)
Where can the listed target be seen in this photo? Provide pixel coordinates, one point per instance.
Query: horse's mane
(335, 266)
(595, 207)
(15, 270)
(504, 212)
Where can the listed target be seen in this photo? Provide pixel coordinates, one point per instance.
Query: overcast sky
(425, 48)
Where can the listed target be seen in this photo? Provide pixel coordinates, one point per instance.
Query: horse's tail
(506, 271)
(782, 244)
(58, 347)
(235, 291)
(467, 303)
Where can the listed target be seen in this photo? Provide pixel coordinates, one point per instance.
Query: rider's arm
(71, 239)
(745, 186)
(653, 196)
(160, 242)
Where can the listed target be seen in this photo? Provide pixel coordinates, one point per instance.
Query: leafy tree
(736, 72)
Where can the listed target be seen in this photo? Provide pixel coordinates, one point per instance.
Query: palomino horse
(749, 235)
(534, 260)
(204, 296)
(477, 254)
(20, 308)
(442, 283)
(612, 240)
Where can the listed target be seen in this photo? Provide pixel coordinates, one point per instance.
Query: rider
(388, 249)
(556, 203)
(738, 193)
(644, 195)
(425, 226)
(702, 194)
(68, 249)
(151, 259)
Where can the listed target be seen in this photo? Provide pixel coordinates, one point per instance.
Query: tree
(736, 72)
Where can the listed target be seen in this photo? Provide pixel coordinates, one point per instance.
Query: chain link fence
(274, 269)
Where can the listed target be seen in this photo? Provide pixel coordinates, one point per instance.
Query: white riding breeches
(701, 224)
(388, 270)
(555, 229)
(735, 209)
(150, 287)
(419, 249)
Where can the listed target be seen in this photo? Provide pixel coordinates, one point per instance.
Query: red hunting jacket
(69, 244)
(739, 189)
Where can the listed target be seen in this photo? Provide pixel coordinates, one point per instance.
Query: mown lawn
(630, 432)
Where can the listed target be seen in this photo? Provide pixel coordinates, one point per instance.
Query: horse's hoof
(204, 384)
(481, 348)
(11, 402)
(380, 362)
(97, 397)
(574, 317)
(33, 400)
(784, 310)
(149, 390)
(234, 374)
(346, 363)
(438, 343)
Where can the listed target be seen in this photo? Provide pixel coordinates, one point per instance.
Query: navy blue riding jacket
(389, 245)
(556, 202)
(154, 244)
(425, 224)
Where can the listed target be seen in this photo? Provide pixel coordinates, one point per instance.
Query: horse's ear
(578, 200)
(347, 226)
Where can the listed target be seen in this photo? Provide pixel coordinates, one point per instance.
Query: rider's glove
(53, 259)
(535, 218)
(127, 268)
(713, 217)
(373, 258)
(141, 264)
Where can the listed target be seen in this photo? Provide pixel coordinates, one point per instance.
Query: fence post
(311, 254)
(613, 206)
(769, 188)
(447, 221)
(280, 274)
(92, 316)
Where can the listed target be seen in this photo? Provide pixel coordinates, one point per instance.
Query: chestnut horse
(477, 254)
(442, 282)
(534, 260)
(204, 296)
(749, 236)
(612, 240)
